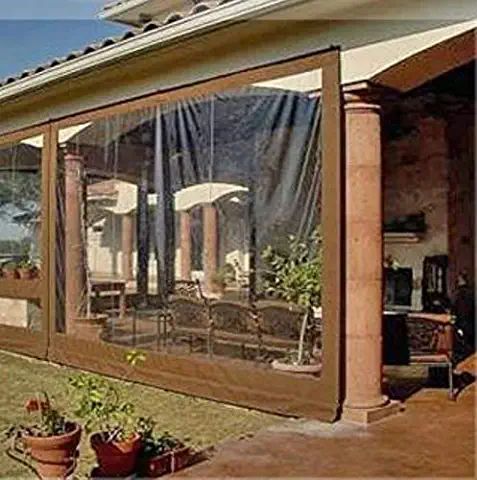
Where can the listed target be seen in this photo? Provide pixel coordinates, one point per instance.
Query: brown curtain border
(251, 387)
(18, 339)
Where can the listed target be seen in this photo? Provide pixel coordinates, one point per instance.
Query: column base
(366, 416)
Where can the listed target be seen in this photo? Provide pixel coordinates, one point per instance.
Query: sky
(34, 31)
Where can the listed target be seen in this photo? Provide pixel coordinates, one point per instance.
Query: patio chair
(235, 327)
(431, 343)
(280, 328)
(188, 317)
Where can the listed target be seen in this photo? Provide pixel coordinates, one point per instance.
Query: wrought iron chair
(431, 342)
(280, 328)
(188, 317)
(236, 325)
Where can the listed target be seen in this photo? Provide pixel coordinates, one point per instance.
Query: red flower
(33, 405)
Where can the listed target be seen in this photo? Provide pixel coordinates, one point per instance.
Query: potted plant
(115, 436)
(296, 277)
(109, 419)
(26, 269)
(218, 283)
(161, 454)
(9, 270)
(47, 437)
(221, 279)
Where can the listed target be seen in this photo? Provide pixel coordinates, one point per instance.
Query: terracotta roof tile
(94, 47)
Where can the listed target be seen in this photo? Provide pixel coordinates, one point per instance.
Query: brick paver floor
(433, 437)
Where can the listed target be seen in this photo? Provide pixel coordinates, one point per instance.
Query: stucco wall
(429, 167)
(416, 180)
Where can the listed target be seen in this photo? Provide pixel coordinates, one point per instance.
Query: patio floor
(433, 438)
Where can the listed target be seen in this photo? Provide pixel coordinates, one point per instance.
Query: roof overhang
(401, 64)
(377, 62)
(191, 26)
(136, 13)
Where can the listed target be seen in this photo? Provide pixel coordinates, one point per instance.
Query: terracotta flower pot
(116, 459)
(55, 456)
(9, 274)
(90, 328)
(283, 366)
(25, 273)
(169, 462)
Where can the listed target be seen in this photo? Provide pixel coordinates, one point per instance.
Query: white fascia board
(128, 11)
(119, 13)
(189, 26)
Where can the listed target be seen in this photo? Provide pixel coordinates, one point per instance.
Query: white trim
(113, 11)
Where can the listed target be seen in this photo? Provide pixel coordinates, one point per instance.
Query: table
(111, 287)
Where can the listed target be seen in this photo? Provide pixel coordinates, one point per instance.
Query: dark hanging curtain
(266, 142)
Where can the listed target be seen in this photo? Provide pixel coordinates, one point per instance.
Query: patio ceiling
(402, 63)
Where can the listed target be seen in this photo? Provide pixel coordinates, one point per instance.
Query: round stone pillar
(364, 401)
(211, 244)
(127, 245)
(75, 254)
(185, 244)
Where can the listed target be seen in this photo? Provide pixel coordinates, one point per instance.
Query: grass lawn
(203, 422)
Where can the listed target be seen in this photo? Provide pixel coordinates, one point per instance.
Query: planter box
(170, 462)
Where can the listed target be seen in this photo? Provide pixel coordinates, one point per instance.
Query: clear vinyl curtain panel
(255, 154)
(172, 207)
(20, 233)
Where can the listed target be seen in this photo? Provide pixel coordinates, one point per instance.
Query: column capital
(73, 157)
(364, 99)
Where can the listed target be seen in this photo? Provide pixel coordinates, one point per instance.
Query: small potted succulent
(26, 269)
(9, 270)
(296, 277)
(161, 454)
(47, 438)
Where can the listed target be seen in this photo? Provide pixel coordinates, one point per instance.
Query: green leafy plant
(155, 445)
(26, 263)
(100, 405)
(296, 277)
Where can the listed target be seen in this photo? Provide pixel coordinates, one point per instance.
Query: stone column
(185, 244)
(75, 250)
(364, 401)
(211, 244)
(127, 245)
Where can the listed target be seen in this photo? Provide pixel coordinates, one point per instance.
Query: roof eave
(188, 27)
(119, 13)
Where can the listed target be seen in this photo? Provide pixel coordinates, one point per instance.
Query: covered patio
(272, 235)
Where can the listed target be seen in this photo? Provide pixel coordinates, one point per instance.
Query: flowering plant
(43, 420)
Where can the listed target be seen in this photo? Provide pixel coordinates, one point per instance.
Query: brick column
(127, 245)
(185, 244)
(211, 244)
(75, 254)
(364, 401)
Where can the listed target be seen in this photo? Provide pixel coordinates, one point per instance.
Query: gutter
(216, 18)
